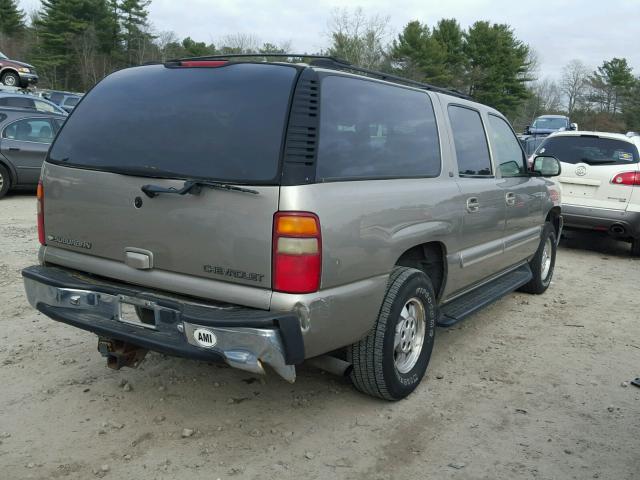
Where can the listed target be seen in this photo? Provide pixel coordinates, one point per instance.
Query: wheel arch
(13, 175)
(8, 69)
(430, 257)
(553, 216)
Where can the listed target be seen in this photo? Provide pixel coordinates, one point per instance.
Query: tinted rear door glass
(221, 123)
(590, 150)
(371, 130)
(470, 140)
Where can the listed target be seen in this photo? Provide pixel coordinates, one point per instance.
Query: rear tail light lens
(297, 252)
(626, 178)
(40, 209)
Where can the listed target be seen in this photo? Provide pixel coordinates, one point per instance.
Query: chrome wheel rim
(546, 259)
(10, 81)
(1, 181)
(409, 335)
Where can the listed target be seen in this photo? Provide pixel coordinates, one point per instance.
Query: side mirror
(527, 129)
(546, 166)
(573, 126)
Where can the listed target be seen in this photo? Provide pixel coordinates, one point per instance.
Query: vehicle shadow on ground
(22, 193)
(595, 242)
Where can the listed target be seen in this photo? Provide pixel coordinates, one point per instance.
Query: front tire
(11, 79)
(635, 247)
(5, 181)
(390, 362)
(543, 263)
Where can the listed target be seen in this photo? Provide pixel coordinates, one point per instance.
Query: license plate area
(134, 311)
(580, 191)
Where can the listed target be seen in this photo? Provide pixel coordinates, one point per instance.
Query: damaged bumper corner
(244, 338)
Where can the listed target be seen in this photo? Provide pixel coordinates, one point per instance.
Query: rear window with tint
(371, 130)
(590, 150)
(223, 123)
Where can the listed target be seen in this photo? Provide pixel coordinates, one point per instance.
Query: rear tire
(543, 263)
(11, 79)
(390, 362)
(635, 247)
(5, 181)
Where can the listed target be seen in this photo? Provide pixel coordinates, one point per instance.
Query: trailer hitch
(120, 354)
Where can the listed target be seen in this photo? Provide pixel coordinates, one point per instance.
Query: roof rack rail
(330, 64)
(260, 55)
(334, 63)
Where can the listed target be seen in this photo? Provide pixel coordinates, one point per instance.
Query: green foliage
(196, 49)
(610, 83)
(498, 66)
(418, 55)
(11, 18)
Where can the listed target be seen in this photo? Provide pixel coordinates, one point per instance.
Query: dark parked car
(30, 102)
(16, 74)
(546, 124)
(24, 140)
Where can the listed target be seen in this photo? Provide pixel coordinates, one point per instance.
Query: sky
(558, 30)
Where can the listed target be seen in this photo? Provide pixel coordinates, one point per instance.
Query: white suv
(600, 182)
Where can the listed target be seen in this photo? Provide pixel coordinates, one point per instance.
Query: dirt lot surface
(531, 387)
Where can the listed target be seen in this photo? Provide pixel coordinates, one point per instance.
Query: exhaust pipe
(120, 354)
(331, 364)
(617, 229)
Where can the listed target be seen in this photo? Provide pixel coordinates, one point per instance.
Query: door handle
(510, 198)
(473, 205)
(14, 149)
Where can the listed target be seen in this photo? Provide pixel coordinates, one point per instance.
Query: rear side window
(30, 130)
(590, 150)
(470, 140)
(223, 123)
(19, 102)
(371, 130)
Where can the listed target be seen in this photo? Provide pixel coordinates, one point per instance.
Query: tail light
(297, 252)
(40, 209)
(203, 63)
(626, 178)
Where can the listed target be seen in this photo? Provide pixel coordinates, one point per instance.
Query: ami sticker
(204, 338)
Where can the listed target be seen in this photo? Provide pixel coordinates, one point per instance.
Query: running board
(469, 303)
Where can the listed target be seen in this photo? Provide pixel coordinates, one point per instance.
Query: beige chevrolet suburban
(261, 213)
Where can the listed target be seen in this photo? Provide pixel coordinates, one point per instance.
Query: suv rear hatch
(589, 165)
(218, 131)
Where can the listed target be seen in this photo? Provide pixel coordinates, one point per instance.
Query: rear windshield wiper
(193, 187)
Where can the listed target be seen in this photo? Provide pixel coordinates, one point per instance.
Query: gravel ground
(531, 387)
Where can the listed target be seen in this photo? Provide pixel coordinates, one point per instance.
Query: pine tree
(133, 16)
(11, 18)
(498, 66)
(418, 55)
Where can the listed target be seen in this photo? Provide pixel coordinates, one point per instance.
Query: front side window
(372, 130)
(506, 148)
(470, 141)
(44, 107)
(30, 130)
(71, 101)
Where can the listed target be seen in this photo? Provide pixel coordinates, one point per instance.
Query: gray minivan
(264, 213)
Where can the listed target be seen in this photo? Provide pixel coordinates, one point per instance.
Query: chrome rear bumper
(243, 338)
